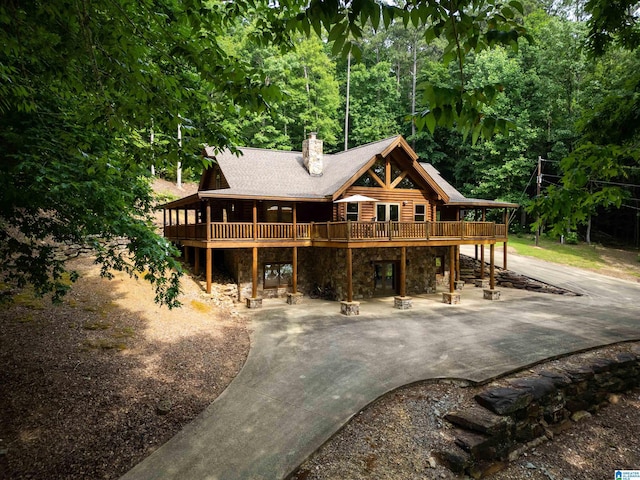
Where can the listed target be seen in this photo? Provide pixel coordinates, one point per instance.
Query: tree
(374, 103)
(81, 84)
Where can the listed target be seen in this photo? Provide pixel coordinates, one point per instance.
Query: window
(277, 275)
(366, 180)
(353, 210)
(407, 183)
(276, 213)
(420, 213)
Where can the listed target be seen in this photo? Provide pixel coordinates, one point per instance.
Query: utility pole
(346, 111)
(538, 188)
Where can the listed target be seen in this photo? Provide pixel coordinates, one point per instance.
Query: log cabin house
(372, 220)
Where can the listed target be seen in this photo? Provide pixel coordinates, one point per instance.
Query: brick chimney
(312, 155)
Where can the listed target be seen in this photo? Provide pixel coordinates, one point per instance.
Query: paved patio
(311, 369)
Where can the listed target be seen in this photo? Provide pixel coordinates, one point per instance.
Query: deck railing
(339, 231)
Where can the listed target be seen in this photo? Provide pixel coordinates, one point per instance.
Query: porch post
(255, 223)
(458, 262)
(349, 276)
(254, 273)
(452, 269)
(506, 233)
(254, 301)
(295, 222)
(484, 218)
(208, 268)
(196, 263)
(403, 272)
(349, 307)
(492, 278)
(208, 220)
(295, 270)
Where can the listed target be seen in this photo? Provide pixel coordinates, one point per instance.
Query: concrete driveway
(311, 369)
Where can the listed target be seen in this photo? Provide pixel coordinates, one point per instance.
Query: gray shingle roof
(455, 197)
(281, 174)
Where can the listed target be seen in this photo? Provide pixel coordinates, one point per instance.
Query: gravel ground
(397, 437)
(91, 387)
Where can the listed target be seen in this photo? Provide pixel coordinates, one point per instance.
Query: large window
(353, 210)
(277, 275)
(420, 213)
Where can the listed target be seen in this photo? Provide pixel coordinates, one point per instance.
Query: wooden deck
(237, 235)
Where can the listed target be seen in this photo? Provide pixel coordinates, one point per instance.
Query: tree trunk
(346, 110)
(413, 93)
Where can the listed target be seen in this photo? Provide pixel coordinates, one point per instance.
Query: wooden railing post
(348, 230)
(390, 231)
(462, 227)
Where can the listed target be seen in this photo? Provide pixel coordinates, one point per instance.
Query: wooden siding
(405, 198)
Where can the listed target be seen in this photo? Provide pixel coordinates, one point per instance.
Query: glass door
(385, 278)
(388, 211)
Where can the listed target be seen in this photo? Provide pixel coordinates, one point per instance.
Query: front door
(385, 278)
(388, 211)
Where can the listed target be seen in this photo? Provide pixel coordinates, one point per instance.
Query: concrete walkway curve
(311, 369)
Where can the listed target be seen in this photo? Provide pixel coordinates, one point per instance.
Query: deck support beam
(254, 301)
(452, 269)
(349, 307)
(451, 297)
(294, 280)
(504, 255)
(349, 275)
(403, 302)
(254, 272)
(403, 271)
(209, 268)
(492, 267)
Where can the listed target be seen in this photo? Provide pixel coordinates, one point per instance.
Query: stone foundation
(451, 298)
(519, 414)
(254, 302)
(490, 294)
(459, 284)
(326, 268)
(294, 298)
(481, 282)
(402, 303)
(350, 308)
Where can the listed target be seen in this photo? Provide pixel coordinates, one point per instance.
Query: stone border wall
(470, 270)
(523, 412)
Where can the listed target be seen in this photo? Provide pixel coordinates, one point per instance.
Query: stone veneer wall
(326, 267)
(507, 420)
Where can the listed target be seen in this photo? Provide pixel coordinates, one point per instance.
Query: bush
(571, 238)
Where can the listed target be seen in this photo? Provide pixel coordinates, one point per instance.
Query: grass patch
(199, 306)
(581, 255)
(28, 299)
(126, 332)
